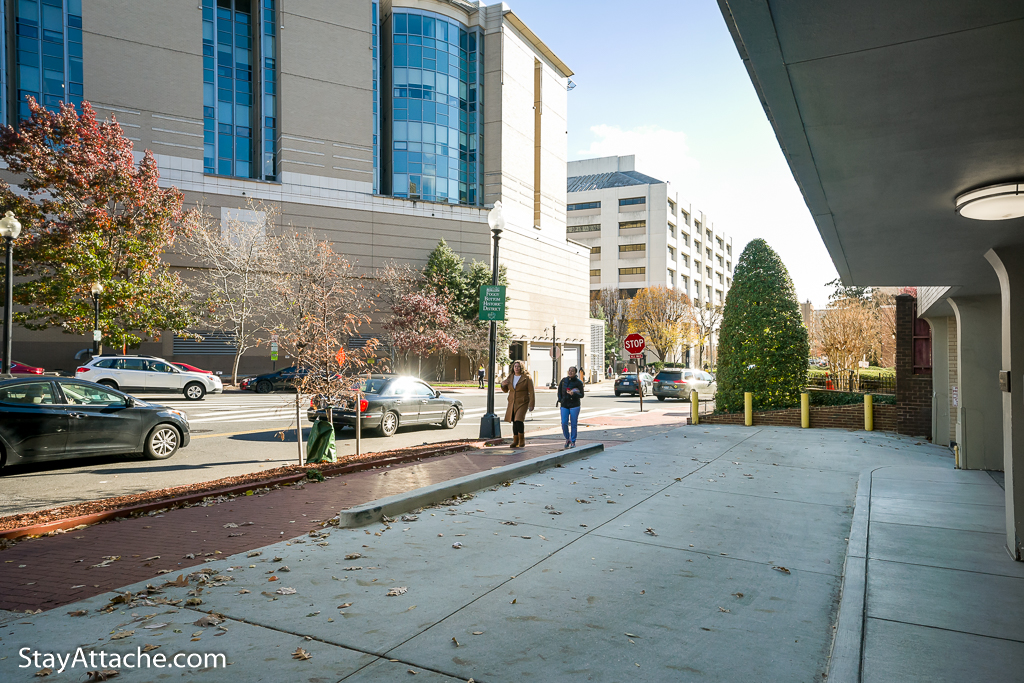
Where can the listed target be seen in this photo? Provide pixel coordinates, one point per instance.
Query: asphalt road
(239, 432)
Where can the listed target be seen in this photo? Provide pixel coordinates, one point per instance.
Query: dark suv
(678, 383)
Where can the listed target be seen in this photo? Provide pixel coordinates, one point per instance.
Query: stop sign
(634, 344)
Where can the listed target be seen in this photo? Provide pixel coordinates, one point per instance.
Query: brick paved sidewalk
(48, 572)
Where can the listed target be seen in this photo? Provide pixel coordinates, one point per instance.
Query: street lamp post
(10, 228)
(554, 355)
(490, 425)
(97, 335)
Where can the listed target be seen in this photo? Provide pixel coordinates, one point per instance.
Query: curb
(392, 506)
(141, 508)
(845, 662)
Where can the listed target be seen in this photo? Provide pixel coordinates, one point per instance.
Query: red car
(22, 369)
(191, 368)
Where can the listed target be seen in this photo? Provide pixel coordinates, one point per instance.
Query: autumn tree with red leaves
(421, 324)
(90, 214)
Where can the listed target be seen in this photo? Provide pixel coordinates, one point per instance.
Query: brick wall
(835, 417)
(953, 374)
(913, 392)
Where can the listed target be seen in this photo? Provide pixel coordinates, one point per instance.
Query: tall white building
(640, 233)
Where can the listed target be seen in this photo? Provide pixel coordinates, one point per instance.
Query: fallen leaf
(207, 620)
(781, 569)
(353, 556)
(630, 635)
(254, 553)
(192, 602)
(154, 626)
(286, 591)
(243, 591)
(513, 601)
(457, 545)
(122, 634)
(398, 591)
(300, 654)
(47, 671)
(413, 672)
(343, 606)
(272, 578)
(738, 595)
(650, 531)
(78, 613)
(181, 582)
(478, 633)
(455, 641)
(722, 609)
(150, 647)
(100, 675)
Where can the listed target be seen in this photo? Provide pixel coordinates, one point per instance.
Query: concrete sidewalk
(707, 553)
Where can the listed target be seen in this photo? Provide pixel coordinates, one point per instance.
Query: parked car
(148, 374)
(22, 369)
(53, 418)
(680, 382)
(389, 402)
(274, 381)
(627, 383)
(185, 367)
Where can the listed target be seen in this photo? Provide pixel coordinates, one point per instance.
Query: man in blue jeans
(570, 391)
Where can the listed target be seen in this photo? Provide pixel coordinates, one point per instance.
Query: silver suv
(148, 374)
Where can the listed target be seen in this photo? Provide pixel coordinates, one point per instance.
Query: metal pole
(490, 426)
(298, 427)
(359, 423)
(554, 359)
(8, 306)
(96, 325)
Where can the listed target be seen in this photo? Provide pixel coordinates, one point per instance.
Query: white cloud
(661, 153)
(743, 184)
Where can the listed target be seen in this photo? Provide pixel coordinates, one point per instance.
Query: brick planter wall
(835, 417)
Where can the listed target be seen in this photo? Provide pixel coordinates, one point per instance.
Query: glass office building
(47, 53)
(432, 142)
(240, 88)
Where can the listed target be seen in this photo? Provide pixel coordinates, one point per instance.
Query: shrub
(763, 345)
(846, 398)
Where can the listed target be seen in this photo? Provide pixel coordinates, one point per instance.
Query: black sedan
(389, 402)
(52, 418)
(628, 383)
(266, 383)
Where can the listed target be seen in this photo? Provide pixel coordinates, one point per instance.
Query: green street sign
(273, 355)
(492, 302)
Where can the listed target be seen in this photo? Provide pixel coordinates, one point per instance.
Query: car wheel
(108, 383)
(617, 393)
(194, 391)
(451, 418)
(661, 398)
(162, 442)
(388, 424)
(264, 387)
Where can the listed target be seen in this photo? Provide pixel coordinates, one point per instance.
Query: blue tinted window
(42, 39)
(245, 38)
(429, 93)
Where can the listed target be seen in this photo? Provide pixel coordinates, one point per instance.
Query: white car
(136, 374)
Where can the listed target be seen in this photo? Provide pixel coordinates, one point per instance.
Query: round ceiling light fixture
(992, 203)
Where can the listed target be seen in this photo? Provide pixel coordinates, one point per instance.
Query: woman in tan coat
(519, 388)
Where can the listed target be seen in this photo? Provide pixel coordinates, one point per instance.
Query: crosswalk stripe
(221, 413)
(249, 417)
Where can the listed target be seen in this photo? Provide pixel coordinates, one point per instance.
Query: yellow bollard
(805, 410)
(869, 413)
(694, 408)
(748, 408)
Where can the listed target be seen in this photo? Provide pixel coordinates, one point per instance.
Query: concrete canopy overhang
(886, 111)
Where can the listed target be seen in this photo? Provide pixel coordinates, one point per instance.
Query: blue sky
(663, 80)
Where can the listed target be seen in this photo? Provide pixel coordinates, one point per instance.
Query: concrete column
(940, 381)
(1008, 263)
(979, 410)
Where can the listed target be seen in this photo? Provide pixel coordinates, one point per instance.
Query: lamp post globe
(10, 228)
(490, 425)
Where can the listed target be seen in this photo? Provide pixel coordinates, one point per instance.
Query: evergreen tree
(763, 346)
(443, 276)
